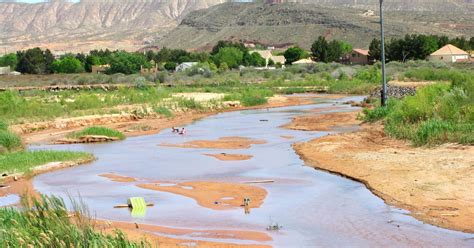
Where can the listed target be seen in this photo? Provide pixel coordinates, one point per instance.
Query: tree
(254, 59)
(471, 43)
(34, 61)
(293, 54)
(231, 56)
(127, 63)
(320, 49)
(170, 66)
(222, 44)
(68, 65)
(374, 49)
(9, 60)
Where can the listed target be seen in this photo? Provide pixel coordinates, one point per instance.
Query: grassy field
(24, 161)
(47, 223)
(437, 114)
(103, 131)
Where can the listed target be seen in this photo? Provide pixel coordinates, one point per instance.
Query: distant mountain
(89, 23)
(279, 24)
(130, 24)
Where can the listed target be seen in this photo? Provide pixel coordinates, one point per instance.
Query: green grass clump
(437, 114)
(47, 223)
(3, 126)
(24, 161)
(189, 104)
(10, 140)
(102, 131)
(163, 111)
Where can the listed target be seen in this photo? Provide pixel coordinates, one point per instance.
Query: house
(358, 57)
(5, 70)
(185, 65)
(279, 59)
(449, 53)
(303, 62)
(97, 69)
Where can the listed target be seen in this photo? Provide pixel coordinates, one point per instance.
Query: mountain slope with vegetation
(279, 24)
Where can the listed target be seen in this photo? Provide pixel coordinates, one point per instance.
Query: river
(313, 208)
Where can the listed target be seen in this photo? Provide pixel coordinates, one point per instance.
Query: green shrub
(3, 126)
(9, 140)
(96, 130)
(189, 104)
(164, 111)
(47, 222)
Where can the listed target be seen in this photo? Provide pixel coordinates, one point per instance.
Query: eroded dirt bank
(435, 184)
(132, 125)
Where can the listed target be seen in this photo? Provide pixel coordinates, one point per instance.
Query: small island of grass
(97, 131)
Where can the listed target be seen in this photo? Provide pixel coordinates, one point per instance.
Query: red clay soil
(221, 143)
(156, 235)
(435, 184)
(214, 195)
(230, 157)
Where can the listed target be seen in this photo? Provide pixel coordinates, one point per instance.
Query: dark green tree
(34, 61)
(320, 49)
(374, 50)
(293, 54)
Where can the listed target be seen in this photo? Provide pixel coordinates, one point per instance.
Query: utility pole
(382, 52)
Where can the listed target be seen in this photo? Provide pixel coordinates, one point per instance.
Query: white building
(450, 54)
(185, 65)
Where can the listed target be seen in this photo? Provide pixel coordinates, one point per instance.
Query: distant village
(233, 55)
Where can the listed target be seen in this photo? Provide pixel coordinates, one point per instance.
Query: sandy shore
(158, 236)
(230, 157)
(435, 184)
(23, 184)
(221, 143)
(214, 195)
(323, 122)
(118, 178)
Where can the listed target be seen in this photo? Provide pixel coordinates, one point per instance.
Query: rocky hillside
(301, 24)
(89, 23)
(130, 24)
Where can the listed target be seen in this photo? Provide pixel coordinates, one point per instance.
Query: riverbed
(310, 207)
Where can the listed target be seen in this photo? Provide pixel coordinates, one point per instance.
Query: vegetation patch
(437, 114)
(47, 222)
(97, 131)
(25, 161)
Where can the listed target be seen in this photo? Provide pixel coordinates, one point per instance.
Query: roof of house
(449, 50)
(266, 54)
(304, 61)
(188, 64)
(361, 51)
(279, 59)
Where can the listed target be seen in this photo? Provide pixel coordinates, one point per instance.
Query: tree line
(223, 56)
(416, 47)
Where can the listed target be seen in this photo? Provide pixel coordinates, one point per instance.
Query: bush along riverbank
(46, 222)
(16, 161)
(436, 114)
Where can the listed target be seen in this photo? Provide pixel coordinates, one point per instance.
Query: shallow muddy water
(314, 208)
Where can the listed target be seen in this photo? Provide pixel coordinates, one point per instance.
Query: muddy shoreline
(434, 189)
